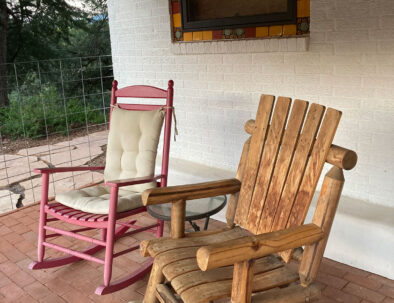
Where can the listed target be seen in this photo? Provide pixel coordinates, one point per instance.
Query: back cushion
(132, 146)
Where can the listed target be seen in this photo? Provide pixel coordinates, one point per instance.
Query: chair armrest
(133, 181)
(251, 247)
(52, 170)
(189, 192)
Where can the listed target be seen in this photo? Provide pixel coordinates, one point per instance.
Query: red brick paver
(77, 282)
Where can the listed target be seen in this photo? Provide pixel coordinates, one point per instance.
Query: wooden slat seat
(58, 209)
(177, 258)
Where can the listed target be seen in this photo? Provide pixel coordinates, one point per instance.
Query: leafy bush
(33, 115)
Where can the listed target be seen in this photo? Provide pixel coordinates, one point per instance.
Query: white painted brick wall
(349, 66)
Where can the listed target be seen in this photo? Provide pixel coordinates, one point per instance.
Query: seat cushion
(95, 199)
(132, 146)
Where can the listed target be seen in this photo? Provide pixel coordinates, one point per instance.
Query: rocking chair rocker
(131, 153)
(277, 176)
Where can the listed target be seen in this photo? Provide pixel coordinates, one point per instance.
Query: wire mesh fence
(57, 115)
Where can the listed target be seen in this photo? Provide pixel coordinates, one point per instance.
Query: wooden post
(178, 219)
(156, 277)
(241, 291)
(323, 217)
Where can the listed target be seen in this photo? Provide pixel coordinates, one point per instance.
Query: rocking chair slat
(283, 162)
(254, 156)
(297, 167)
(268, 161)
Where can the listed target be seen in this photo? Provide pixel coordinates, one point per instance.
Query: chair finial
(115, 84)
(170, 84)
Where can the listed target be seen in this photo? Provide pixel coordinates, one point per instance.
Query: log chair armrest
(252, 247)
(133, 181)
(52, 170)
(168, 194)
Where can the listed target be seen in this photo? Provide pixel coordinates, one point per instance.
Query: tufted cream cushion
(95, 199)
(131, 152)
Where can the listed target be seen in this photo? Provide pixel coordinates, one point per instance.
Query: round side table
(195, 210)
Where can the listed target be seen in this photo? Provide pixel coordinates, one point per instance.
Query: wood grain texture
(250, 126)
(323, 217)
(313, 171)
(230, 252)
(267, 164)
(186, 280)
(206, 292)
(297, 167)
(165, 295)
(157, 246)
(233, 201)
(156, 277)
(253, 160)
(341, 157)
(241, 290)
(291, 294)
(178, 209)
(338, 156)
(159, 195)
(280, 173)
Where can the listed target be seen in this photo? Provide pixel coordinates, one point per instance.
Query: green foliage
(43, 30)
(34, 114)
(39, 30)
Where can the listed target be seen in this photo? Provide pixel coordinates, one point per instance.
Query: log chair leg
(43, 217)
(241, 291)
(110, 238)
(323, 217)
(156, 277)
(178, 219)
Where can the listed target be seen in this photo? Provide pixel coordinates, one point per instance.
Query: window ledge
(292, 44)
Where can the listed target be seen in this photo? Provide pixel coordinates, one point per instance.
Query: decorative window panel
(245, 25)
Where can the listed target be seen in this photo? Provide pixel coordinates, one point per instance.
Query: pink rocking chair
(131, 154)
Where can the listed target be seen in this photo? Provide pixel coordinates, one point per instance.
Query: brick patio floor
(77, 282)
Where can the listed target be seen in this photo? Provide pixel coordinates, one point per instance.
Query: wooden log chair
(277, 176)
(130, 164)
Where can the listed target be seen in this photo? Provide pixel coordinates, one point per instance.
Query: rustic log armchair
(277, 176)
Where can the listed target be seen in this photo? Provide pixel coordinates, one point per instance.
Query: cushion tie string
(175, 122)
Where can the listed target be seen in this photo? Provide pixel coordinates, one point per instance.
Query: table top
(195, 209)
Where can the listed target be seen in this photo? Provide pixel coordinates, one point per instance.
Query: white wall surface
(349, 66)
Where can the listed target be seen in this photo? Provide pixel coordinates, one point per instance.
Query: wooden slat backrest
(284, 163)
(254, 155)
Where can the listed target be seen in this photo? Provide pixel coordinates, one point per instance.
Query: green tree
(3, 52)
(44, 29)
(93, 38)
